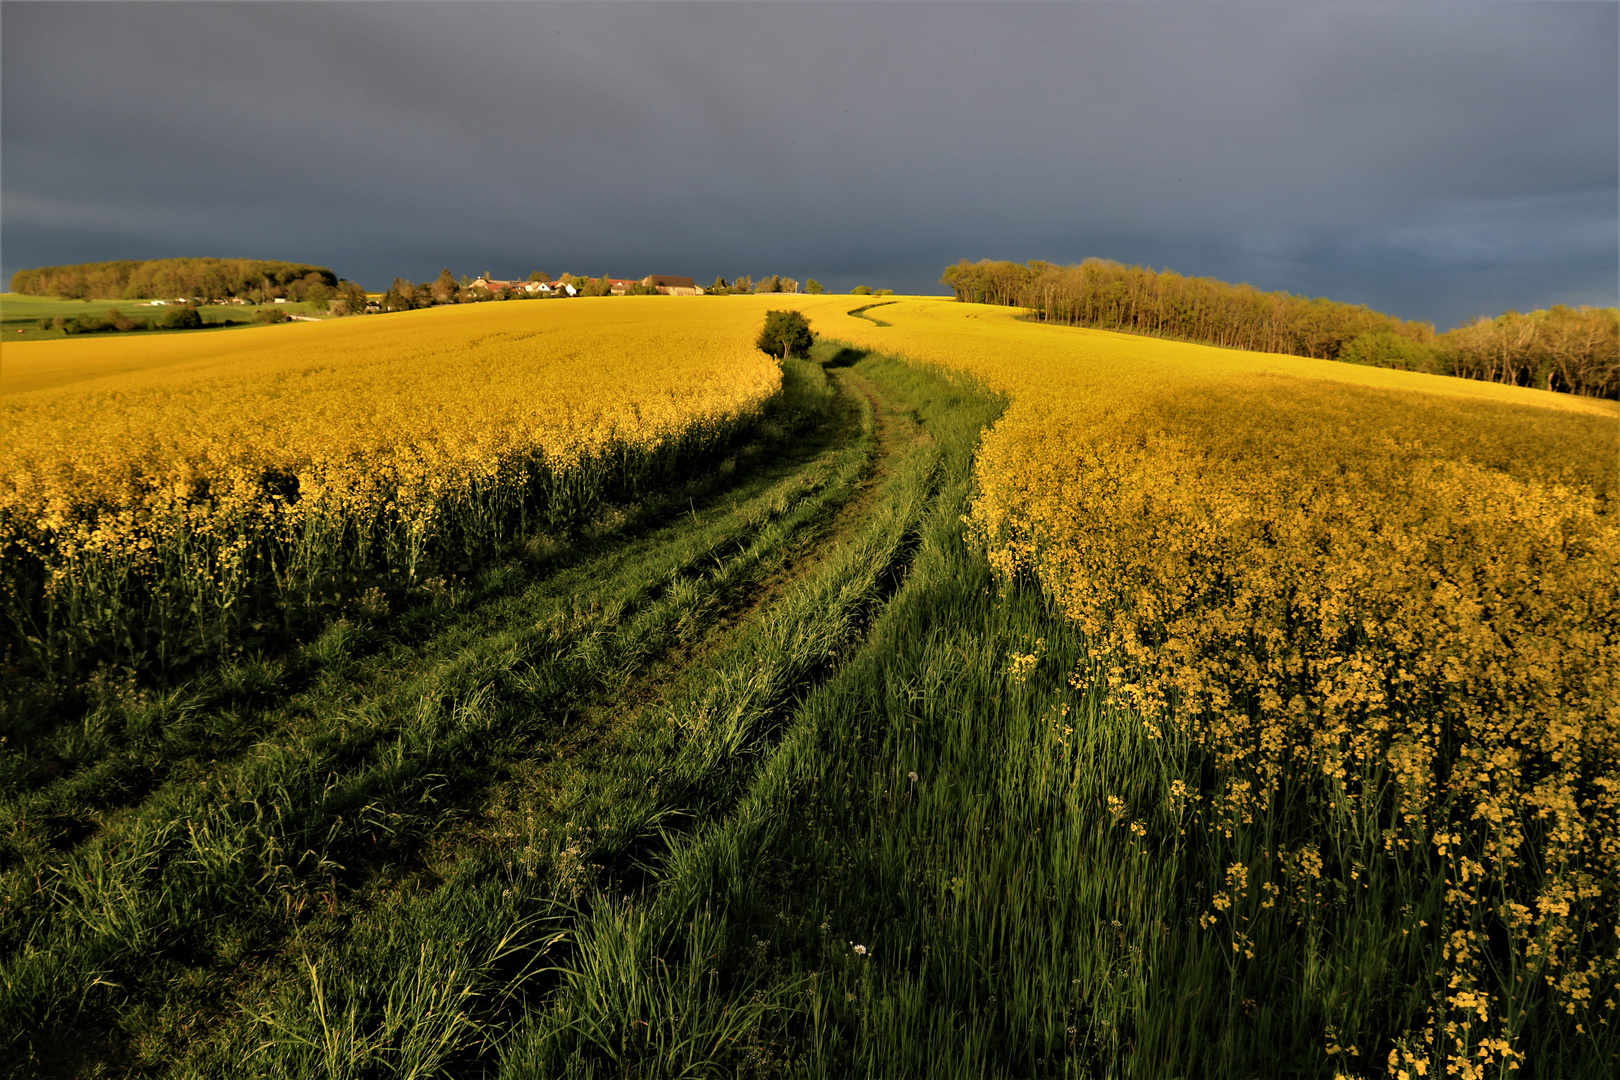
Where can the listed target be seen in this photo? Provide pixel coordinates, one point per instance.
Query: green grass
(333, 761)
(862, 312)
(623, 804)
(20, 315)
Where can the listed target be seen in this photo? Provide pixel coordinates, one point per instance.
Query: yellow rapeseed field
(1384, 606)
(1396, 593)
(159, 487)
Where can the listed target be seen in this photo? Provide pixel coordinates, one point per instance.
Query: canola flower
(1394, 597)
(180, 491)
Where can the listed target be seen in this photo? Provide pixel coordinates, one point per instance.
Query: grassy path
(600, 827)
(163, 853)
(961, 859)
(625, 808)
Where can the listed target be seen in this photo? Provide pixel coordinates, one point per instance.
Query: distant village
(180, 288)
(664, 284)
(403, 295)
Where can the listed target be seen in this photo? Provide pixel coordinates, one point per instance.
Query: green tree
(813, 287)
(786, 333)
(319, 295)
(862, 290)
(1383, 348)
(401, 296)
(350, 299)
(720, 287)
(445, 288)
(597, 287)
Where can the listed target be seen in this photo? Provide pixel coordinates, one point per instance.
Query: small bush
(1385, 349)
(786, 333)
(185, 317)
(113, 322)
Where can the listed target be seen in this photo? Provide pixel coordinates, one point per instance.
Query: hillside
(1571, 350)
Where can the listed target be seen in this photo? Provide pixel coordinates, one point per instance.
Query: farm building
(673, 286)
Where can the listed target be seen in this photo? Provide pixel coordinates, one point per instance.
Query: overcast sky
(1435, 161)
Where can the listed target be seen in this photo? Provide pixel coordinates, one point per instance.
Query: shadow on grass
(845, 357)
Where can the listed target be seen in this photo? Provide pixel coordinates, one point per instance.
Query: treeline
(776, 283)
(184, 317)
(258, 281)
(179, 317)
(1574, 351)
(406, 295)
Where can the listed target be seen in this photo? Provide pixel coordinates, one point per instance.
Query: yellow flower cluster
(1397, 591)
(214, 467)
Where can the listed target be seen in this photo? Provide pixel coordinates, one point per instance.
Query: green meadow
(20, 315)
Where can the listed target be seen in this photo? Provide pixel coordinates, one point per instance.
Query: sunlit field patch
(174, 493)
(1385, 605)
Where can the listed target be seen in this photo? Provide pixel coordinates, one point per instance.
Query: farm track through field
(167, 870)
(803, 769)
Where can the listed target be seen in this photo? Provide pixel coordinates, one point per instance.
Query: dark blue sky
(1436, 161)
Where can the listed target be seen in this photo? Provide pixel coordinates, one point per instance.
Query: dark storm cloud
(1435, 161)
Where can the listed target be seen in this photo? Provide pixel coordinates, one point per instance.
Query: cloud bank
(1434, 161)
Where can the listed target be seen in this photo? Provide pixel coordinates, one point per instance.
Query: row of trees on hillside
(1111, 296)
(1570, 350)
(776, 283)
(257, 281)
(260, 281)
(405, 295)
(1575, 350)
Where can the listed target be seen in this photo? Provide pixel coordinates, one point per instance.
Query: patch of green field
(20, 315)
